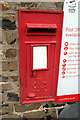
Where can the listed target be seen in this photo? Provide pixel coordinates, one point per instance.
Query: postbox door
(39, 62)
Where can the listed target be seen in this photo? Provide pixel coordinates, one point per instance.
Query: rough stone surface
(11, 117)
(35, 115)
(9, 76)
(46, 113)
(12, 18)
(15, 78)
(6, 109)
(10, 65)
(3, 98)
(4, 6)
(5, 87)
(10, 53)
(13, 97)
(51, 112)
(4, 78)
(59, 5)
(10, 104)
(23, 108)
(11, 37)
(7, 24)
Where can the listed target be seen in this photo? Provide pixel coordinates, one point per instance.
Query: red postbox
(40, 35)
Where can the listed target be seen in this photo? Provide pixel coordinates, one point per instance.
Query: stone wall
(10, 105)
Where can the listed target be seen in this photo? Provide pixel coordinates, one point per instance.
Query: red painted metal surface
(31, 25)
(39, 28)
(68, 98)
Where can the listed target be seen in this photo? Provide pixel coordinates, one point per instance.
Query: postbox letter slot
(41, 29)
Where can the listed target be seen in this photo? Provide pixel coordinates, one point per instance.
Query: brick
(23, 108)
(4, 5)
(10, 53)
(9, 66)
(11, 37)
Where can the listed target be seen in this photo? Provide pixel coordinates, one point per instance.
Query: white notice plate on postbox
(39, 57)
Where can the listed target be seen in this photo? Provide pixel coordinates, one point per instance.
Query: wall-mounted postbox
(40, 34)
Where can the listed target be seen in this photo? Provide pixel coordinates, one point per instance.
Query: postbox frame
(22, 58)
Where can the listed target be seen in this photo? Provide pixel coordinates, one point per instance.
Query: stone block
(5, 87)
(12, 96)
(10, 17)
(4, 5)
(22, 5)
(2, 97)
(8, 25)
(47, 6)
(59, 6)
(10, 53)
(34, 115)
(9, 76)
(4, 36)
(1, 55)
(4, 78)
(9, 66)
(11, 117)
(14, 78)
(14, 5)
(51, 112)
(23, 108)
(7, 109)
(1, 42)
(11, 37)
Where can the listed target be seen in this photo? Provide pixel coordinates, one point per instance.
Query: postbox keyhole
(32, 73)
